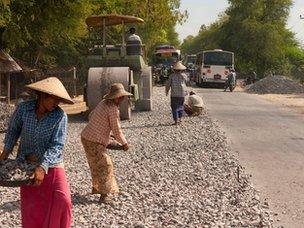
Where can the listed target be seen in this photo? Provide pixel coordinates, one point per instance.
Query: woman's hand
(39, 176)
(4, 155)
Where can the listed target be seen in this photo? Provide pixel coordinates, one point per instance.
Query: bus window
(218, 58)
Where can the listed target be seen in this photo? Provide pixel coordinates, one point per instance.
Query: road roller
(125, 63)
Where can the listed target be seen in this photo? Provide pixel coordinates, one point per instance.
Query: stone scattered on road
(276, 85)
(5, 112)
(173, 176)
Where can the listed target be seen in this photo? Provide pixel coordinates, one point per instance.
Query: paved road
(270, 143)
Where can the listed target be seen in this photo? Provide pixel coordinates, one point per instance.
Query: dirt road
(269, 141)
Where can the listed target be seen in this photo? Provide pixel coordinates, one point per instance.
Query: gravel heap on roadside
(275, 85)
(174, 176)
(5, 112)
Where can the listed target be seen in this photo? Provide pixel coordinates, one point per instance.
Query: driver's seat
(133, 47)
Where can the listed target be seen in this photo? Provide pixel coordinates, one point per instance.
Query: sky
(207, 11)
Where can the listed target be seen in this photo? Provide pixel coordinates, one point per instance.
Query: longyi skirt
(101, 166)
(48, 205)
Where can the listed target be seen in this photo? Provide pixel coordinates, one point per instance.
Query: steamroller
(125, 63)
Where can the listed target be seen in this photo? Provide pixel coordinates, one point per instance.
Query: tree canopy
(50, 33)
(256, 31)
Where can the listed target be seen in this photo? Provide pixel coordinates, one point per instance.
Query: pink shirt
(103, 120)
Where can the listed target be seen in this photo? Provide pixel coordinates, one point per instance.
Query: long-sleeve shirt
(177, 83)
(44, 138)
(103, 121)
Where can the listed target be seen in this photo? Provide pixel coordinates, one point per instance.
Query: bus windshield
(166, 60)
(218, 58)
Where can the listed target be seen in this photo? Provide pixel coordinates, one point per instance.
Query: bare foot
(105, 199)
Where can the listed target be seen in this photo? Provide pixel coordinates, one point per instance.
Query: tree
(255, 30)
(37, 31)
(160, 18)
(47, 33)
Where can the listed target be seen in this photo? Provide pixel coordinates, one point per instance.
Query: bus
(213, 66)
(163, 59)
(166, 55)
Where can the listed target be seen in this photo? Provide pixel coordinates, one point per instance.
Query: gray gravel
(276, 85)
(11, 170)
(5, 112)
(174, 176)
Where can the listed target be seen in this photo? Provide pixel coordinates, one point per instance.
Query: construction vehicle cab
(124, 63)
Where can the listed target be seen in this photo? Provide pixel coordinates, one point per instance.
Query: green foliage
(4, 12)
(49, 33)
(37, 31)
(205, 40)
(295, 56)
(256, 31)
(160, 18)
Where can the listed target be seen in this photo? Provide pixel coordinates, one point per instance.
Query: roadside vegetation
(45, 33)
(256, 31)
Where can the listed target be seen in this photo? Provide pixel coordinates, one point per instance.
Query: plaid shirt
(45, 138)
(104, 119)
(177, 83)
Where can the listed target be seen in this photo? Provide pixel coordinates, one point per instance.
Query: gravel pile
(11, 170)
(5, 112)
(174, 176)
(276, 85)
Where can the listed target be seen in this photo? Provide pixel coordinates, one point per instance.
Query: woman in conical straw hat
(177, 84)
(41, 126)
(95, 137)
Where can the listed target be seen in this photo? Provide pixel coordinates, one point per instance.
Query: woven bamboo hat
(52, 86)
(117, 90)
(179, 66)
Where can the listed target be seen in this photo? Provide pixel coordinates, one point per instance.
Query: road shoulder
(293, 102)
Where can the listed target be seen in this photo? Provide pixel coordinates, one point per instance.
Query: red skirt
(48, 205)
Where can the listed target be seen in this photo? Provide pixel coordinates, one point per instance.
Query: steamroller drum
(99, 82)
(145, 90)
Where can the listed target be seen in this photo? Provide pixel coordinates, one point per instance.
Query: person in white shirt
(194, 106)
(133, 36)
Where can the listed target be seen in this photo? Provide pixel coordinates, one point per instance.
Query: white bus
(213, 66)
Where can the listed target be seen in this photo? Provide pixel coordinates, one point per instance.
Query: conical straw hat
(179, 66)
(117, 90)
(52, 86)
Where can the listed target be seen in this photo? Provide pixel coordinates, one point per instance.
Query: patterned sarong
(101, 166)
